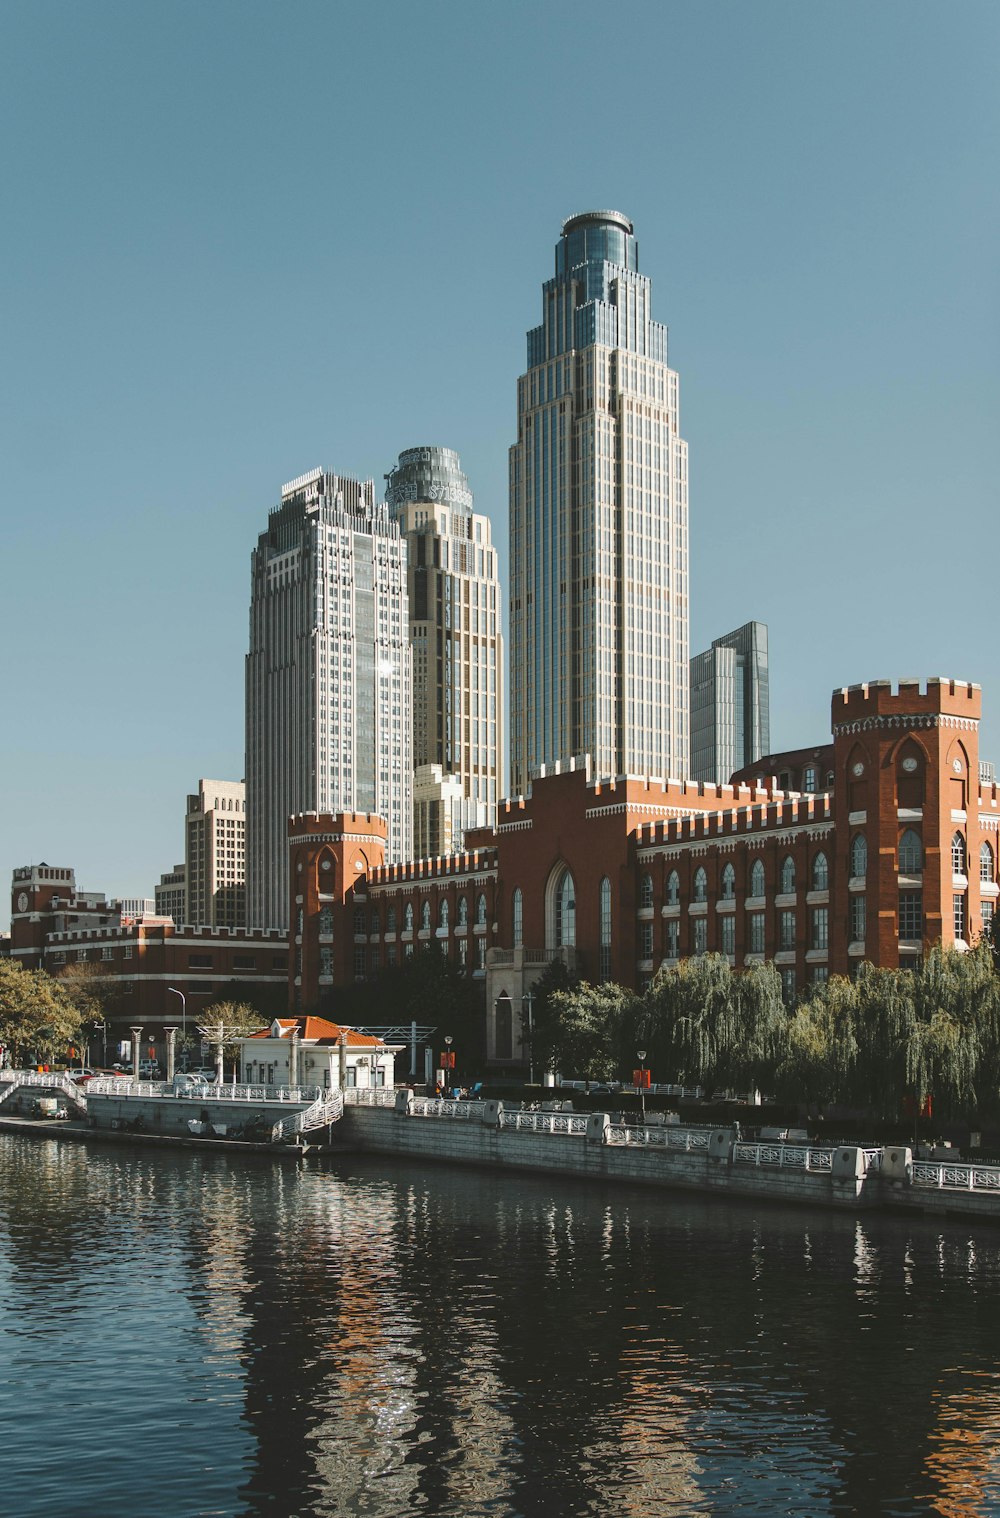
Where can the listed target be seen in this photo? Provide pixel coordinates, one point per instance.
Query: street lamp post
(642, 1083)
(528, 1001)
(448, 1075)
(184, 1027)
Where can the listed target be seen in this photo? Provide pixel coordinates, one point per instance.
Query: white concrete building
(215, 855)
(311, 1051)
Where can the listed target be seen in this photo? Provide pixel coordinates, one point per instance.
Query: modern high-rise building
(328, 680)
(457, 642)
(730, 708)
(215, 855)
(170, 896)
(598, 522)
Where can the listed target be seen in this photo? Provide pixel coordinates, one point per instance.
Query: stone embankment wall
(434, 1131)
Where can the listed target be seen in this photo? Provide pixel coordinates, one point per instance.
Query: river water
(185, 1334)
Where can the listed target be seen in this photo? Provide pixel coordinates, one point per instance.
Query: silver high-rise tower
(598, 522)
(328, 697)
(457, 642)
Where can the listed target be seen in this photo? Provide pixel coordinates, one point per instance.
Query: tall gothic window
(604, 910)
(565, 911)
(517, 908)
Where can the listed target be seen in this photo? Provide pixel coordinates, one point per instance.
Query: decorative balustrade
(788, 1156)
(439, 1106)
(687, 1140)
(545, 1122)
(947, 1176)
(207, 1091)
(370, 1096)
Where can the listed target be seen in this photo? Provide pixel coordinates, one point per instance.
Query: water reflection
(196, 1334)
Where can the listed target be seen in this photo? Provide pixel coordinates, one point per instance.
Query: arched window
(728, 883)
(820, 873)
(565, 911)
(757, 878)
(443, 912)
(859, 856)
(700, 885)
(359, 920)
(517, 909)
(504, 1027)
(408, 918)
(911, 853)
(985, 862)
(481, 912)
(958, 854)
(645, 891)
(463, 911)
(604, 916)
(673, 889)
(425, 915)
(788, 876)
(390, 919)
(326, 919)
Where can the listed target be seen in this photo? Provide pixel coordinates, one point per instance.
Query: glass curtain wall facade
(328, 677)
(457, 643)
(730, 704)
(598, 522)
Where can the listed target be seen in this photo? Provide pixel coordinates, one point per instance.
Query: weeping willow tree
(884, 1020)
(954, 1054)
(693, 1020)
(820, 1050)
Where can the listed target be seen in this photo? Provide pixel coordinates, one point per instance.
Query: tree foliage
(226, 1022)
(586, 1025)
(38, 1020)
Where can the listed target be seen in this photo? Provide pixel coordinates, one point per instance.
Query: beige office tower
(598, 522)
(328, 687)
(457, 642)
(215, 868)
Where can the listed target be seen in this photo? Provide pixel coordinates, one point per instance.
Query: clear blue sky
(244, 239)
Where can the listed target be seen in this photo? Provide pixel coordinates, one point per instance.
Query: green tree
(586, 1024)
(545, 1015)
(691, 1020)
(37, 1020)
(820, 1050)
(426, 988)
(226, 1023)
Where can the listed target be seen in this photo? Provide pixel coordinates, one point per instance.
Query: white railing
(328, 1108)
(17, 1080)
(207, 1091)
(947, 1176)
(788, 1156)
(439, 1106)
(690, 1140)
(370, 1096)
(545, 1122)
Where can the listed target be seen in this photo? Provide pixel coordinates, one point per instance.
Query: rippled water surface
(186, 1334)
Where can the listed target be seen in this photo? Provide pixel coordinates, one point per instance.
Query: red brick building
(896, 851)
(144, 962)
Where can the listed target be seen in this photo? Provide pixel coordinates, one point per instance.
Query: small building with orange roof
(312, 1051)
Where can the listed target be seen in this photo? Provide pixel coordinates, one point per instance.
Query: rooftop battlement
(887, 697)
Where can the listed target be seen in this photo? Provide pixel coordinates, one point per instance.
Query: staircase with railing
(12, 1081)
(326, 1109)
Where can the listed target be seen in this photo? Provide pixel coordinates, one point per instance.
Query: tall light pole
(528, 1000)
(184, 1027)
(448, 1077)
(642, 1083)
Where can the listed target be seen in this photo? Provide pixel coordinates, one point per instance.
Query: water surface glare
(187, 1334)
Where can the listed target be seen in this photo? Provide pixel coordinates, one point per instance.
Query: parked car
(207, 1072)
(149, 1069)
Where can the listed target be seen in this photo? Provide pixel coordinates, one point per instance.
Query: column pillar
(136, 1050)
(170, 1034)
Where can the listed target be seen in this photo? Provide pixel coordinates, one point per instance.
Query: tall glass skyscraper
(457, 643)
(598, 522)
(730, 706)
(328, 693)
